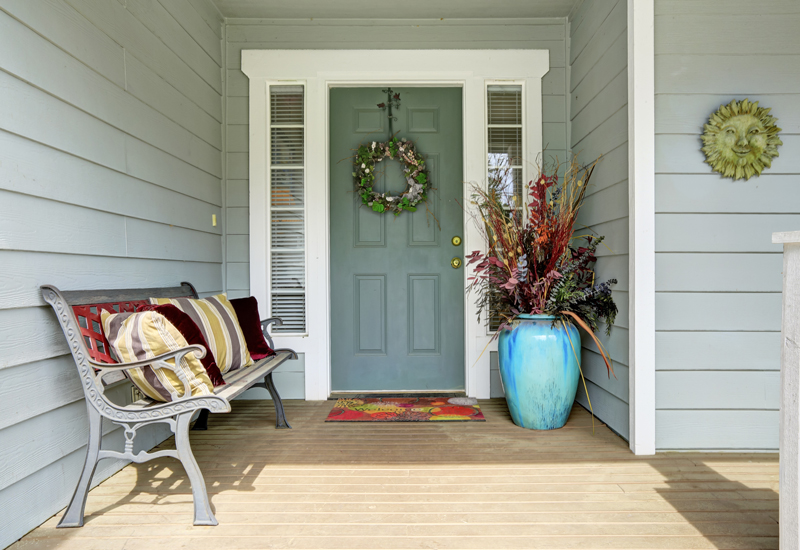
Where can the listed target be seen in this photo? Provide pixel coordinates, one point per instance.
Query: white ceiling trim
(408, 9)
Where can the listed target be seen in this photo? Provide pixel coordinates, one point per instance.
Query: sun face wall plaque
(741, 139)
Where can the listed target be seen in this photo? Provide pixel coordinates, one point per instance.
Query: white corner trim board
(641, 189)
(320, 70)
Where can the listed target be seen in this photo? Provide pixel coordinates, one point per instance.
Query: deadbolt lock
(456, 240)
(456, 263)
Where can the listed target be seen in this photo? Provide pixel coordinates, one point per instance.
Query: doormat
(406, 409)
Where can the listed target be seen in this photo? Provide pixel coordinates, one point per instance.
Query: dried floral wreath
(413, 170)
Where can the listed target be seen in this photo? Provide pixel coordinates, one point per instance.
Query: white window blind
(504, 108)
(504, 151)
(287, 208)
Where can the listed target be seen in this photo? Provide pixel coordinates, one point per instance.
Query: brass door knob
(456, 240)
(455, 263)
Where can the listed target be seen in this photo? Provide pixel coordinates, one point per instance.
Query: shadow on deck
(428, 485)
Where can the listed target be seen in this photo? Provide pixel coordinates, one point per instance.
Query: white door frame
(319, 70)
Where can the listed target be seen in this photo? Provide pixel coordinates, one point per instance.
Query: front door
(397, 305)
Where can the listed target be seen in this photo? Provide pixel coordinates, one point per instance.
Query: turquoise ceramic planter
(540, 371)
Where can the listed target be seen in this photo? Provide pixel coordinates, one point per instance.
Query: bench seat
(236, 383)
(240, 380)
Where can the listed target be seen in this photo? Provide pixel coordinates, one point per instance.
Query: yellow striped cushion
(143, 335)
(218, 322)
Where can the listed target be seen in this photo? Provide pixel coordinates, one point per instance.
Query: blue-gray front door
(397, 316)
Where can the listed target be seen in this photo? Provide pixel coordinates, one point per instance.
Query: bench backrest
(87, 304)
(78, 313)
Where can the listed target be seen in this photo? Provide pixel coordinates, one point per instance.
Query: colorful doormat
(406, 409)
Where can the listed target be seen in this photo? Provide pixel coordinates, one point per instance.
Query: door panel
(397, 304)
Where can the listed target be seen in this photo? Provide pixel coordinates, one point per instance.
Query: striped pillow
(218, 322)
(138, 336)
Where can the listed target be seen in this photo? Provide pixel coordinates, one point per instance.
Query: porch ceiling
(408, 9)
(427, 485)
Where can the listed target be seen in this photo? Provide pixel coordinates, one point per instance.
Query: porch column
(790, 393)
(642, 225)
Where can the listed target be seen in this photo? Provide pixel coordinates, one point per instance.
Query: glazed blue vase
(540, 371)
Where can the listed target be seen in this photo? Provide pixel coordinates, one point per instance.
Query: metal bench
(78, 312)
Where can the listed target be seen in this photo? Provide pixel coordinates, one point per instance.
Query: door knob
(455, 263)
(456, 240)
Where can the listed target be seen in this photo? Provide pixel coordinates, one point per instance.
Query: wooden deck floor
(427, 485)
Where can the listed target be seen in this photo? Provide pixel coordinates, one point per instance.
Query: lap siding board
(177, 414)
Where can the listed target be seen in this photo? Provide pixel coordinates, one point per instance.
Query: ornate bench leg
(280, 421)
(73, 516)
(201, 424)
(202, 506)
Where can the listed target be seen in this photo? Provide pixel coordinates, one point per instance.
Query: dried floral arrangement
(535, 263)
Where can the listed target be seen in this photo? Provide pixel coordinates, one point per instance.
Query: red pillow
(189, 329)
(247, 312)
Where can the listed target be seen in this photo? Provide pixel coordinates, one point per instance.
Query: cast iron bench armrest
(267, 322)
(158, 362)
(277, 321)
(265, 329)
(144, 362)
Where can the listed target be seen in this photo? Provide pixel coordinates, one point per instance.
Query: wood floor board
(683, 500)
(176, 504)
(465, 485)
(442, 541)
(356, 530)
(177, 517)
(223, 476)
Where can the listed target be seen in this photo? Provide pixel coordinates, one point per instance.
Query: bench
(78, 313)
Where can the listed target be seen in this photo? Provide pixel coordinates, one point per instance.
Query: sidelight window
(504, 131)
(287, 169)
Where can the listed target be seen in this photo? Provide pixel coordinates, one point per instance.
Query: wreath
(413, 170)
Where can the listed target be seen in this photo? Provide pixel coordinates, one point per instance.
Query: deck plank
(428, 485)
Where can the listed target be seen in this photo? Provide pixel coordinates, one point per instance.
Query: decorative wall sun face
(741, 139)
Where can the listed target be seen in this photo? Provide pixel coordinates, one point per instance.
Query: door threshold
(375, 394)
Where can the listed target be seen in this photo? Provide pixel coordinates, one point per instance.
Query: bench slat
(91, 297)
(242, 379)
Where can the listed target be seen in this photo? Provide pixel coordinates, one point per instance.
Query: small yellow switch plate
(214, 220)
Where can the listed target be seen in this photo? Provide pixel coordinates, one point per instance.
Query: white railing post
(790, 393)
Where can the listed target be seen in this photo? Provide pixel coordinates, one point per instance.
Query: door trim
(320, 70)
